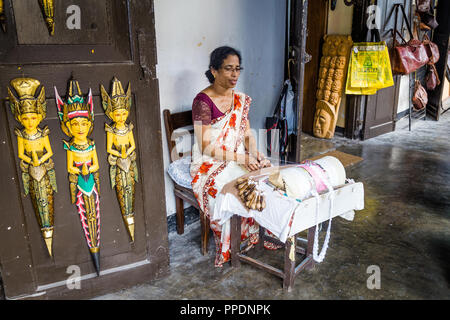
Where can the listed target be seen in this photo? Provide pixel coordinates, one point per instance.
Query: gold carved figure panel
(35, 152)
(2, 16)
(48, 11)
(121, 147)
(76, 116)
(332, 73)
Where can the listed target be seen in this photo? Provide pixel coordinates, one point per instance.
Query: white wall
(188, 30)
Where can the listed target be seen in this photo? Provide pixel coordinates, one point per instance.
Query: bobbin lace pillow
(179, 172)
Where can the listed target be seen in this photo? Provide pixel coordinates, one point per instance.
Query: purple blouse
(204, 109)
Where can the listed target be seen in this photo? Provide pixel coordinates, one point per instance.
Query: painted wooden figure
(35, 152)
(77, 121)
(121, 148)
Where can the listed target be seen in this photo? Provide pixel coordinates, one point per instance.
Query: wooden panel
(95, 24)
(103, 37)
(69, 244)
(26, 268)
(379, 110)
(317, 25)
(441, 37)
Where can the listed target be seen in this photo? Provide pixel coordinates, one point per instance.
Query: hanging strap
(395, 31)
(374, 34)
(280, 99)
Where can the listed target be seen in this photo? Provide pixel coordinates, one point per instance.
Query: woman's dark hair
(216, 59)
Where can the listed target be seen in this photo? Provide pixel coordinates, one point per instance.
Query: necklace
(121, 132)
(33, 136)
(81, 147)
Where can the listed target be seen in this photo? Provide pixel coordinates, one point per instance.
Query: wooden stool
(290, 271)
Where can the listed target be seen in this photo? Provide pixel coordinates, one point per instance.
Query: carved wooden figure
(332, 73)
(35, 152)
(2, 16)
(121, 148)
(48, 11)
(77, 121)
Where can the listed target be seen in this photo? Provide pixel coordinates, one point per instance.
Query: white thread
(316, 256)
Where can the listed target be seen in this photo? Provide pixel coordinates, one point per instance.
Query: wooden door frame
(17, 261)
(441, 38)
(356, 105)
(297, 46)
(317, 10)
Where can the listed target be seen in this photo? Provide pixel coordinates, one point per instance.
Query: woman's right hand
(251, 163)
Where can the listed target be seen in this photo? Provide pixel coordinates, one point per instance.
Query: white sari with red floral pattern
(210, 175)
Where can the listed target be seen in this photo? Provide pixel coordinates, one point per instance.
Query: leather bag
(432, 78)
(277, 128)
(432, 49)
(423, 5)
(428, 19)
(420, 96)
(408, 56)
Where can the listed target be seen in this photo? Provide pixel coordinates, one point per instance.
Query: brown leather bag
(420, 96)
(432, 49)
(432, 78)
(408, 56)
(423, 5)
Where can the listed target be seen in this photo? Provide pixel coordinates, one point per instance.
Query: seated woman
(224, 147)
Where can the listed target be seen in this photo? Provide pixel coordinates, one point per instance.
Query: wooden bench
(173, 121)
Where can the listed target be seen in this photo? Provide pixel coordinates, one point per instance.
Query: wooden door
(381, 108)
(317, 28)
(115, 38)
(299, 57)
(441, 38)
(370, 116)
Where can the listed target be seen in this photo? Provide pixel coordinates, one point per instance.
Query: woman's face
(79, 127)
(30, 121)
(228, 74)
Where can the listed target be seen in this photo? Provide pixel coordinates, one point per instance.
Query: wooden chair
(173, 121)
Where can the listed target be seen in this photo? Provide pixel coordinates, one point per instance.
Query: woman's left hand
(263, 162)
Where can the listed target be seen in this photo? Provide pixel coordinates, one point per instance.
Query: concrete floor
(404, 230)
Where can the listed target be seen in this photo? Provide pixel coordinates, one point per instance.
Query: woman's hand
(251, 163)
(263, 162)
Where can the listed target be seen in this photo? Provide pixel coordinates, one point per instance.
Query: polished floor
(403, 232)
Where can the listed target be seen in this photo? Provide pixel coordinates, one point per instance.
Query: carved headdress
(75, 106)
(26, 102)
(118, 99)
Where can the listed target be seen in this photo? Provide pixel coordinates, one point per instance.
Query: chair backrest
(172, 122)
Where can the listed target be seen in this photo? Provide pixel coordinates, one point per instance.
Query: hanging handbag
(432, 49)
(428, 19)
(277, 128)
(408, 56)
(425, 11)
(420, 96)
(432, 78)
(423, 5)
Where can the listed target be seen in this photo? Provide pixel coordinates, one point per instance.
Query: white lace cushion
(179, 172)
